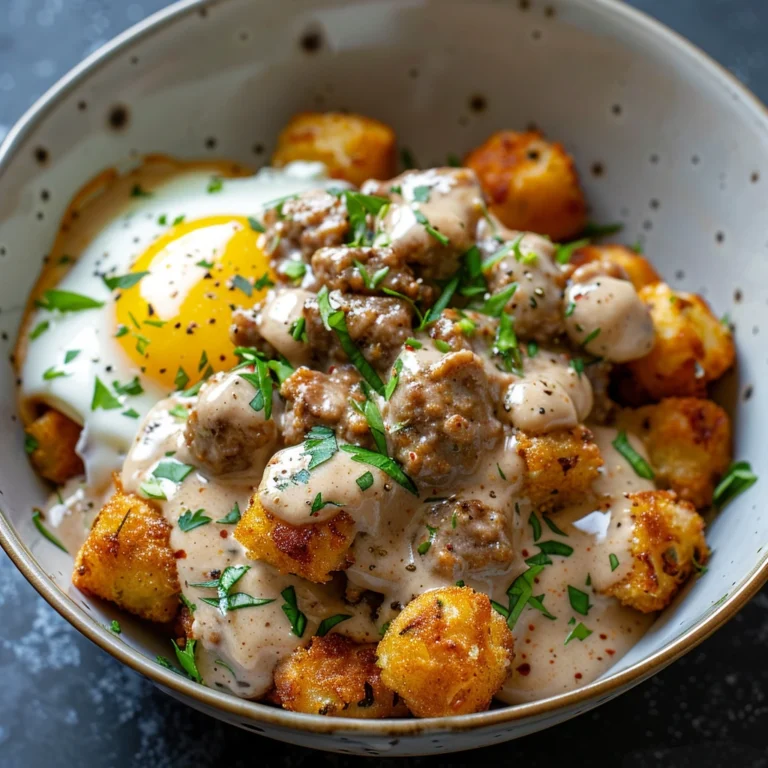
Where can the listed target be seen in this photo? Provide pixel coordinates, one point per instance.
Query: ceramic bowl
(665, 141)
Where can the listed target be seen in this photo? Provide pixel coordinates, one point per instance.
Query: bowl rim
(591, 694)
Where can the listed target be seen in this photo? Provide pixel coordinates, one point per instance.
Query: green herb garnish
(191, 520)
(639, 464)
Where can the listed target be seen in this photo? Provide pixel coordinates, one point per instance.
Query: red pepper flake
(180, 554)
(531, 627)
(524, 669)
(223, 533)
(603, 637)
(578, 675)
(525, 553)
(610, 651)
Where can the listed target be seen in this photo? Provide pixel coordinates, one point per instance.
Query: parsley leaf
(171, 469)
(30, 443)
(424, 547)
(103, 398)
(320, 445)
(639, 464)
(66, 301)
(737, 479)
(37, 520)
(422, 193)
(382, 462)
(365, 481)
(39, 329)
(261, 380)
(255, 224)
(291, 610)
(294, 269)
(371, 283)
(320, 503)
(441, 303)
(393, 379)
(579, 600)
(327, 624)
(439, 236)
(533, 521)
(232, 517)
(124, 281)
(191, 520)
(186, 658)
(153, 490)
(579, 632)
(614, 561)
(495, 304)
(242, 284)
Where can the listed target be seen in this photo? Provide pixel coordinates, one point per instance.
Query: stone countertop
(64, 702)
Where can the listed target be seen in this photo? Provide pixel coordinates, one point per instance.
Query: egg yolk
(173, 322)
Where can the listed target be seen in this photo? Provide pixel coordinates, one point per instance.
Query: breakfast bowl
(665, 142)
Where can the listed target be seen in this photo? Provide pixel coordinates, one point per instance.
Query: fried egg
(137, 296)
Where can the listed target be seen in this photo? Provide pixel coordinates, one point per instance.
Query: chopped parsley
(336, 321)
(591, 336)
(614, 561)
(579, 600)
(138, 191)
(501, 471)
(39, 329)
(320, 445)
(533, 349)
(133, 387)
(371, 282)
(441, 303)
(394, 378)
(552, 527)
(384, 463)
(171, 469)
(115, 626)
(242, 284)
(365, 481)
(261, 381)
(638, 463)
(66, 301)
(191, 607)
(319, 503)
(737, 479)
(600, 230)
(421, 194)
(570, 309)
(298, 330)
(232, 517)
(564, 252)
(215, 185)
(124, 281)
(327, 624)
(37, 520)
(506, 346)
(53, 373)
(31, 443)
(179, 412)
(294, 270)
(520, 593)
(424, 547)
(186, 657)
(442, 346)
(265, 281)
(153, 490)
(181, 379)
(255, 224)
(226, 600)
(413, 343)
(372, 414)
(358, 207)
(103, 398)
(291, 610)
(579, 632)
(191, 520)
(424, 221)
(131, 413)
(495, 304)
(533, 521)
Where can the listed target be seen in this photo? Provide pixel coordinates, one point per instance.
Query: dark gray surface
(64, 702)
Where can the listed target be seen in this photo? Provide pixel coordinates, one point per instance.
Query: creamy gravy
(400, 548)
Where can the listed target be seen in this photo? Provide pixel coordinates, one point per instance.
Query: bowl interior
(664, 143)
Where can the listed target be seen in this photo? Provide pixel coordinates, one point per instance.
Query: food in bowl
(364, 444)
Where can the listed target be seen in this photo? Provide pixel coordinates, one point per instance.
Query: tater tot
(311, 551)
(531, 184)
(692, 346)
(53, 440)
(668, 539)
(688, 442)
(127, 559)
(353, 148)
(446, 653)
(337, 677)
(561, 466)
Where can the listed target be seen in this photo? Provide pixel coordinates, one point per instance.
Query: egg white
(108, 434)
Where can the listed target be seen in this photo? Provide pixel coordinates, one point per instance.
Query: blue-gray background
(63, 702)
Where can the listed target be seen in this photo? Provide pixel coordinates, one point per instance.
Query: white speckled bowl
(665, 140)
